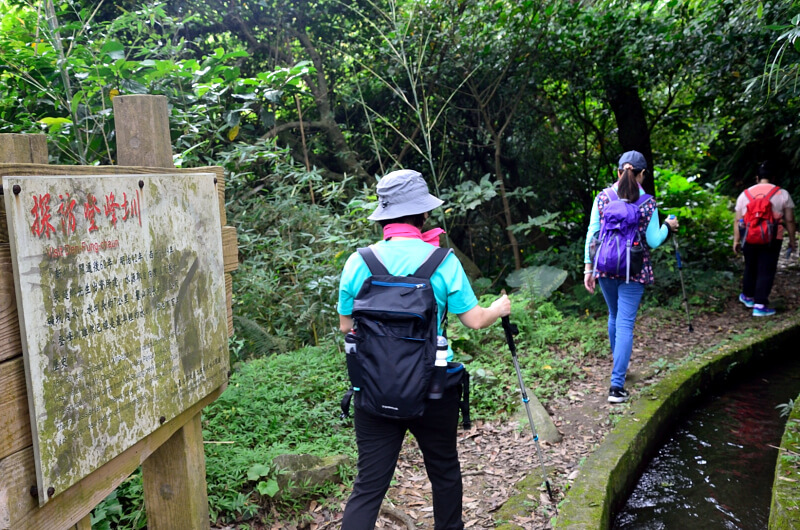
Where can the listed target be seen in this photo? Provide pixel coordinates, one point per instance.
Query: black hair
(628, 188)
(765, 171)
(417, 220)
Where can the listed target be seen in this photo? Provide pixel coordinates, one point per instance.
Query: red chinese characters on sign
(66, 213)
(41, 225)
(41, 216)
(90, 209)
(131, 209)
(111, 208)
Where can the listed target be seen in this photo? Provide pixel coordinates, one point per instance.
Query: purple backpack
(619, 250)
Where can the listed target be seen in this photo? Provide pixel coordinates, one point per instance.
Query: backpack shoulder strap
(612, 195)
(643, 198)
(749, 195)
(432, 262)
(376, 267)
(773, 191)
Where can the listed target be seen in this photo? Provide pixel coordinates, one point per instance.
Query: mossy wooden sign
(121, 296)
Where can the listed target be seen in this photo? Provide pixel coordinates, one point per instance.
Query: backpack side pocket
(594, 243)
(637, 257)
(457, 376)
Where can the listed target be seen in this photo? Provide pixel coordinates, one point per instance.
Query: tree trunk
(498, 173)
(633, 133)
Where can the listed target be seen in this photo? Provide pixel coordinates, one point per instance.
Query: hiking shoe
(618, 395)
(746, 300)
(760, 310)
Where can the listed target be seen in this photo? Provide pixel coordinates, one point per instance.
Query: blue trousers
(379, 442)
(623, 304)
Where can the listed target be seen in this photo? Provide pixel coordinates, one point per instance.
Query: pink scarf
(405, 230)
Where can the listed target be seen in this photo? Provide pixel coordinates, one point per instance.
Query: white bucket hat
(401, 193)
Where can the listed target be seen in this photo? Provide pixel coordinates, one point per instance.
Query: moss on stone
(520, 504)
(784, 513)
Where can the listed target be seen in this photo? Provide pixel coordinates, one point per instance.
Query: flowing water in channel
(717, 467)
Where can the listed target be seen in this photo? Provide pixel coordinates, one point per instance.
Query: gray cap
(401, 193)
(634, 158)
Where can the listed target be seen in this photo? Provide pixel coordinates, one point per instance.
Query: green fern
(257, 342)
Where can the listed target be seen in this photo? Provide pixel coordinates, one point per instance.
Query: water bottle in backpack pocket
(440, 369)
(636, 257)
(351, 353)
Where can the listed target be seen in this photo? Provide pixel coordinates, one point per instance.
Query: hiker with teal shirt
(623, 292)
(761, 256)
(403, 206)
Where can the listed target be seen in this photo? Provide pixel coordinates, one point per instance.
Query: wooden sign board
(121, 299)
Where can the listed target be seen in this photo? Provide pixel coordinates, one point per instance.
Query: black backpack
(396, 327)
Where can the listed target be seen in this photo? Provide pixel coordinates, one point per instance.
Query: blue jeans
(623, 304)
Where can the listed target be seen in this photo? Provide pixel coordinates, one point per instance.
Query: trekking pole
(511, 330)
(680, 273)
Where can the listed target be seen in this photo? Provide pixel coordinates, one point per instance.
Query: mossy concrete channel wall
(611, 472)
(784, 512)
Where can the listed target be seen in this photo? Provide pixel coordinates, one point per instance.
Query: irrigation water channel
(716, 468)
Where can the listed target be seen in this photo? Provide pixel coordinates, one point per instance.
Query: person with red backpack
(764, 214)
(623, 226)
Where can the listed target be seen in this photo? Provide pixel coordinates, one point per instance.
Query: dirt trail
(495, 457)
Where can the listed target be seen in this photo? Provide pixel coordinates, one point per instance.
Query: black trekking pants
(379, 442)
(760, 265)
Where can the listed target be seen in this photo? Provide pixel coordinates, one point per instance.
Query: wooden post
(19, 149)
(16, 149)
(23, 149)
(142, 126)
(174, 476)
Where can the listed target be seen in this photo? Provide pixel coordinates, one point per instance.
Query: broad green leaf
(76, 99)
(133, 87)
(257, 471)
(273, 95)
(55, 124)
(540, 280)
(266, 117)
(232, 118)
(268, 488)
(113, 49)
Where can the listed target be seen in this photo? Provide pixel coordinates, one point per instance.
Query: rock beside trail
(545, 427)
(298, 473)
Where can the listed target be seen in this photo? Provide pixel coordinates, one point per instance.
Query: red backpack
(759, 221)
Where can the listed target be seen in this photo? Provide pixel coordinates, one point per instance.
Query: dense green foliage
(515, 111)
(276, 405)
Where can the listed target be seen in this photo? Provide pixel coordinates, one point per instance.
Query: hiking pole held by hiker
(680, 274)
(511, 330)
